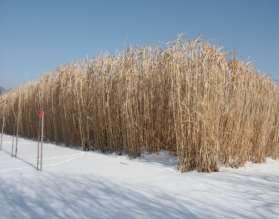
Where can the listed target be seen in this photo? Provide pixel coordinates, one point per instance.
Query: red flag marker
(41, 114)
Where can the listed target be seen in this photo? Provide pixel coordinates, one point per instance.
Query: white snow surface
(76, 184)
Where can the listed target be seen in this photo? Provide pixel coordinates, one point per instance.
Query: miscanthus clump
(187, 97)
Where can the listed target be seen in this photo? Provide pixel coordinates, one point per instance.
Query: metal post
(38, 145)
(2, 131)
(17, 123)
(42, 141)
(13, 140)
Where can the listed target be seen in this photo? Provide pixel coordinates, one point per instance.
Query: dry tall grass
(188, 97)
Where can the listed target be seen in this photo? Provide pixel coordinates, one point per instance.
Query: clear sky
(37, 36)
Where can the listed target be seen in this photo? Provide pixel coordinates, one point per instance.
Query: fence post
(17, 123)
(41, 115)
(42, 138)
(2, 130)
(13, 142)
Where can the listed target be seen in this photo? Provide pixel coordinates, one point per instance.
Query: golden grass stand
(187, 97)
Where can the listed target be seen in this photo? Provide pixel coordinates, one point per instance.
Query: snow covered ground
(76, 184)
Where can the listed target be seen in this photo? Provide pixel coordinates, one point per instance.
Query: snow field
(76, 184)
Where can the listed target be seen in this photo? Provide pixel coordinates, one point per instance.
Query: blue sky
(37, 36)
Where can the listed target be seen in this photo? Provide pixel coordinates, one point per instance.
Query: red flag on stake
(41, 114)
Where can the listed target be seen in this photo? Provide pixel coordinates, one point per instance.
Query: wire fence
(35, 158)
